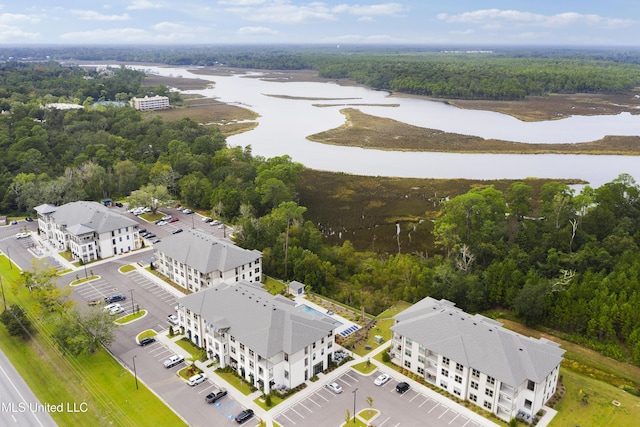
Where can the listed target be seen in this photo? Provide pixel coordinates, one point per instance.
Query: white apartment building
(265, 338)
(150, 103)
(89, 230)
(195, 259)
(474, 358)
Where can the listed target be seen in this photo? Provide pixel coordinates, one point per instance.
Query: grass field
(96, 379)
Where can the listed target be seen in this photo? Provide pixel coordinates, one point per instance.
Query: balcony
(508, 390)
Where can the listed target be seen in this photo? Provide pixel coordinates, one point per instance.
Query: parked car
(197, 379)
(156, 241)
(166, 218)
(207, 219)
(334, 387)
(176, 231)
(146, 340)
(175, 219)
(115, 298)
(14, 222)
(216, 394)
(28, 219)
(161, 222)
(244, 416)
(141, 231)
(173, 361)
(188, 211)
(22, 235)
(402, 387)
(150, 235)
(95, 301)
(382, 379)
(173, 319)
(118, 204)
(115, 309)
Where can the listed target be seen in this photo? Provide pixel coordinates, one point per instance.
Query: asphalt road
(18, 405)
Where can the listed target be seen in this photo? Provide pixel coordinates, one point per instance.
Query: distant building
(154, 103)
(196, 260)
(89, 230)
(265, 338)
(474, 358)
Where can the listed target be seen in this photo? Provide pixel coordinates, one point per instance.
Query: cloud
(281, 11)
(252, 31)
(10, 33)
(145, 4)
(15, 18)
(370, 10)
(90, 15)
(496, 18)
(126, 36)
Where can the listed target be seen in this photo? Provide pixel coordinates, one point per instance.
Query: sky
(421, 22)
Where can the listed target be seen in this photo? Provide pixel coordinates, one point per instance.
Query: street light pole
(4, 301)
(135, 374)
(354, 404)
(133, 310)
(9, 256)
(85, 270)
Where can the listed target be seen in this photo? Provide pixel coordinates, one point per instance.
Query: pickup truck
(173, 361)
(216, 394)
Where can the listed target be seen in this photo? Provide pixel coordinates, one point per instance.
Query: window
(286, 374)
(233, 339)
(251, 353)
(458, 379)
(445, 361)
(250, 365)
(421, 359)
(457, 391)
(408, 341)
(420, 370)
(444, 372)
(474, 385)
(489, 392)
(407, 364)
(491, 380)
(443, 384)
(233, 350)
(286, 357)
(407, 352)
(459, 367)
(475, 373)
(487, 405)
(527, 403)
(241, 358)
(531, 385)
(242, 347)
(473, 397)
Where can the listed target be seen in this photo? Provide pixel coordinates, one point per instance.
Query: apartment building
(150, 103)
(475, 358)
(265, 338)
(89, 230)
(196, 259)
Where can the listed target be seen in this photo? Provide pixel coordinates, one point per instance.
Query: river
(285, 122)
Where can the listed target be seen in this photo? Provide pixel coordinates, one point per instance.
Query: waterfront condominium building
(196, 259)
(474, 358)
(89, 230)
(267, 339)
(150, 103)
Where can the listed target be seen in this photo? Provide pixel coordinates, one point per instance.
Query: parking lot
(413, 408)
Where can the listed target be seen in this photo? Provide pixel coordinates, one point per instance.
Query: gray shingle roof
(204, 252)
(82, 217)
(45, 209)
(478, 342)
(257, 319)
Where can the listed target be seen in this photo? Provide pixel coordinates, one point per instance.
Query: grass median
(107, 388)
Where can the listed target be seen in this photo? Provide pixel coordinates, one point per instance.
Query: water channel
(286, 119)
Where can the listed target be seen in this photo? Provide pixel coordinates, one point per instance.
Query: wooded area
(556, 258)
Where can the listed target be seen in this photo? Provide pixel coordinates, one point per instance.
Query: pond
(289, 113)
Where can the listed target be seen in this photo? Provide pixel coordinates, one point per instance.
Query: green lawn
(275, 400)
(84, 280)
(381, 328)
(126, 268)
(235, 382)
(599, 411)
(273, 286)
(191, 348)
(393, 310)
(96, 379)
(365, 367)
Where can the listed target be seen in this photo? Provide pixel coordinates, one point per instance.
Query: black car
(28, 219)
(177, 230)
(244, 416)
(149, 235)
(147, 340)
(118, 204)
(402, 387)
(141, 231)
(115, 298)
(215, 395)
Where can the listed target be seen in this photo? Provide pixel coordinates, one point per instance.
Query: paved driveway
(413, 408)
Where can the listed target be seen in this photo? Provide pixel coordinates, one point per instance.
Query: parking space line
(454, 418)
(309, 398)
(380, 425)
(426, 400)
(299, 414)
(446, 410)
(437, 404)
(204, 390)
(414, 397)
(287, 418)
(318, 394)
(353, 378)
(340, 379)
(302, 404)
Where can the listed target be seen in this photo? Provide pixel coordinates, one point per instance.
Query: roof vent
(520, 349)
(490, 330)
(474, 323)
(450, 314)
(462, 318)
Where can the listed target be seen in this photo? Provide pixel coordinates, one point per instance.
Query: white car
(173, 361)
(22, 235)
(334, 387)
(166, 218)
(173, 319)
(161, 223)
(196, 379)
(382, 379)
(116, 309)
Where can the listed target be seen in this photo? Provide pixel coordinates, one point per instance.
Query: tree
(150, 195)
(41, 281)
(84, 331)
(16, 321)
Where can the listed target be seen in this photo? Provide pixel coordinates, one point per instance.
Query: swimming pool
(315, 313)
